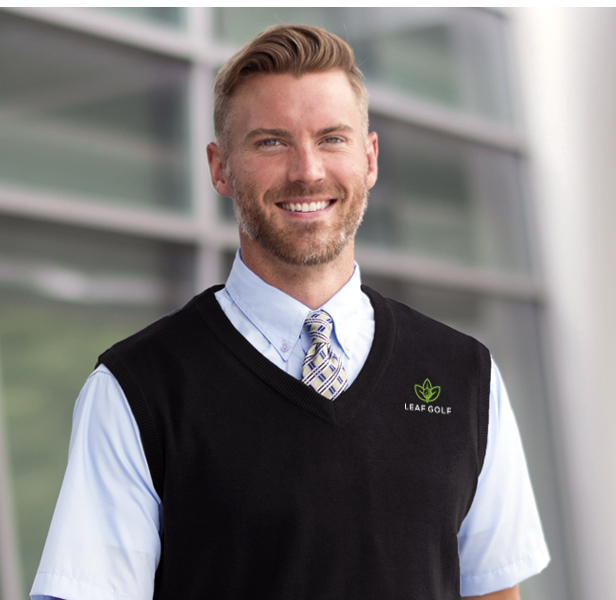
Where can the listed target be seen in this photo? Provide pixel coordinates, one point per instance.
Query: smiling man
(299, 168)
(293, 435)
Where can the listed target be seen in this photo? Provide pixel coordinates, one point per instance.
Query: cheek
(351, 165)
(349, 175)
(262, 173)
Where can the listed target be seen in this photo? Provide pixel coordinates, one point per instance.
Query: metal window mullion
(207, 263)
(433, 118)
(29, 204)
(175, 44)
(440, 274)
(528, 193)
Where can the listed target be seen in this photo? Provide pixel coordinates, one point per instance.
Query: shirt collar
(280, 318)
(344, 308)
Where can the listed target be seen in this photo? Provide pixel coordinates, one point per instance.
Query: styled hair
(293, 49)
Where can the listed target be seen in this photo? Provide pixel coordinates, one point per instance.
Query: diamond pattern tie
(322, 369)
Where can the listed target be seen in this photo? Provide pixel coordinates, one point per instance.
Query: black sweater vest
(272, 492)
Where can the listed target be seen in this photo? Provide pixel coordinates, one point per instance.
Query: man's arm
(500, 541)
(508, 594)
(104, 539)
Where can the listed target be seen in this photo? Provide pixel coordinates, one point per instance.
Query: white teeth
(306, 207)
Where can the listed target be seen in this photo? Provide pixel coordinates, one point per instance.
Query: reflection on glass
(86, 118)
(64, 298)
(449, 56)
(169, 16)
(445, 199)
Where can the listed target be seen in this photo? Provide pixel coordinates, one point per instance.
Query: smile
(306, 207)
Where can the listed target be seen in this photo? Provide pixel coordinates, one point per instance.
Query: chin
(311, 254)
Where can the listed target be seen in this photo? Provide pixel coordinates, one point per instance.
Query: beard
(301, 244)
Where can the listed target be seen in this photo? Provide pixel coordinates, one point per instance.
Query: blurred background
(494, 212)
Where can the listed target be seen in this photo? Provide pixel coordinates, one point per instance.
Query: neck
(311, 285)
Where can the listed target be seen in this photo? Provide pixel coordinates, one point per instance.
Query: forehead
(285, 101)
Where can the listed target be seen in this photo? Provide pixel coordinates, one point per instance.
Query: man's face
(300, 166)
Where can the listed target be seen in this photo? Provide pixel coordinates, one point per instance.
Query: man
(293, 435)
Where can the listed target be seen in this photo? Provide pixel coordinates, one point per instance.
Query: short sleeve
(104, 539)
(501, 541)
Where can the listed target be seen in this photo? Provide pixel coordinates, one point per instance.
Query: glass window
(446, 199)
(66, 296)
(167, 16)
(448, 56)
(90, 119)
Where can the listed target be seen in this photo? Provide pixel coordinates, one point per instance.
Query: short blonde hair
(294, 49)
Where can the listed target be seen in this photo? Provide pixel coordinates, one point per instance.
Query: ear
(218, 170)
(372, 151)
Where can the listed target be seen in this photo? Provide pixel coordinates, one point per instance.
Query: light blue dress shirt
(104, 539)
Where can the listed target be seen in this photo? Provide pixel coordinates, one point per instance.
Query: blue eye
(269, 142)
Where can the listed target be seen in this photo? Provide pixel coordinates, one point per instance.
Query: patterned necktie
(322, 369)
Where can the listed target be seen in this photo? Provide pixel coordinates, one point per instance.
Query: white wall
(567, 70)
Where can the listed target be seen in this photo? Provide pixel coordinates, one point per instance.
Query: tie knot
(322, 370)
(320, 326)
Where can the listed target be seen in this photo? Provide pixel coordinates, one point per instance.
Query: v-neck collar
(337, 412)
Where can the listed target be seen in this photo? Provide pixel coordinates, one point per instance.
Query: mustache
(295, 190)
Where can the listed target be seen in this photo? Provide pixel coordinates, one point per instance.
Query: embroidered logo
(427, 392)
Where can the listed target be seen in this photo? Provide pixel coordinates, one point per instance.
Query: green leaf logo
(427, 392)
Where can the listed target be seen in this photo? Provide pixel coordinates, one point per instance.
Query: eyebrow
(268, 133)
(340, 127)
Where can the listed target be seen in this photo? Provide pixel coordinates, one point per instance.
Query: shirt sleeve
(501, 541)
(104, 539)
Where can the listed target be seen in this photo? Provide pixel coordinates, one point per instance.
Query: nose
(306, 165)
